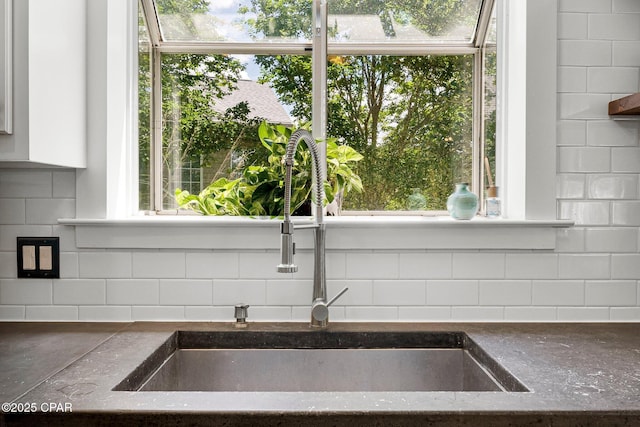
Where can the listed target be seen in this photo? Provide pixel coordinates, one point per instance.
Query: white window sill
(376, 232)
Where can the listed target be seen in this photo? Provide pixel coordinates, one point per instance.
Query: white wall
(593, 275)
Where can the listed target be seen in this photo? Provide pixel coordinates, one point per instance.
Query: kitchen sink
(317, 361)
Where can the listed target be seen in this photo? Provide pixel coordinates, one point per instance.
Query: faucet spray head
(287, 249)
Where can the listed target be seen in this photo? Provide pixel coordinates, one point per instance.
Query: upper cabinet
(629, 105)
(49, 123)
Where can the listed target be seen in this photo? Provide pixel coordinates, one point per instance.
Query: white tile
(584, 6)
(611, 240)
(133, 292)
(531, 266)
(589, 53)
(572, 26)
(570, 240)
(270, 314)
(399, 292)
(626, 53)
(289, 292)
(371, 314)
(452, 292)
(232, 292)
(572, 79)
(618, 186)
(614, 27)
(625, 159)
(108, 265)
(477, 265)
(625, 314)
(424, 314)
(505, 292)
(303, 314)
(157, 313)
(67, 236)
(422, 265)
(26, 291)
(8, 234)
(626, 213)
(12, 312)
(159, 265)
(625, 266)
(570, 186)
(610, 293)
(372, 266)
(612, 79)
(48, 211)
(571, 132)
(584, 266)
(583, 159)
(8, 265)
(212, 314)
(104, 313)
(79, 291)
(336, 265)
(69, 268)
(477, 314)
(64, 184)
(558, 292)
(25, 183)
(55, 313)
(13, 211)
(186, 292)
(530, 314)
(622, 6)
(612, 133)
(360, 291)
(585, 213)
(212, 265)
(573, 106)
(583, 314)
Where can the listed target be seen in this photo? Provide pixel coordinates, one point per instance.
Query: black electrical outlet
(38, 257)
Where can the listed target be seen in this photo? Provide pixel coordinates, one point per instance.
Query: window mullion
(156, 131)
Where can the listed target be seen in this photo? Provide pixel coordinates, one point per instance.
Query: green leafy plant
(259, 191)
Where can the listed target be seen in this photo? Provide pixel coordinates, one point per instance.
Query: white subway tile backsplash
(478, 314)
(574, 106)
(625, 159)
(262, 265)
(425, 265)
(583, 159)
(572, 26)
(572, 79)
(212, 314)
(586, 53)
(79, 292)
(48, 211)
(583, 314)
(133, 292)
(167, 313)
(26, 291)
(624, 6)
(289, 292)
(619, 26)
(212, 265)
(372, 265)
(69, 268)
(611, 240)
(531, 266)
(271, 313)
(477, 265)
(616, 186)
(530, 314)
(64, 184)
(159, 265)
(625, 266)
(626, 53)
(13, 211)
(56, 313)
(584, 6)
(371, 314)
(610, 293)
(584, 266)
(360, 292)
(25, 183)
(232, 292)
(570, 240)
(107, 265)
(186, 292)
(612, 133)
(12, 312)
(613, 79)
(452, 292)
(626, 213)
(585, 212)
(505, 292)
(558, 292)
(570, 186)
(8, 234)
(571, 132)
(104, 313)
(625, 314)
(399, 292)
(8, 265)
(424, 314)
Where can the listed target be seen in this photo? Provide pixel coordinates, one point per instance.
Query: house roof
(261, 99)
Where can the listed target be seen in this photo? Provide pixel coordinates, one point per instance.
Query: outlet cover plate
(38, 257)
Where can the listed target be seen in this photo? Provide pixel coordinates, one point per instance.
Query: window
(408, 85)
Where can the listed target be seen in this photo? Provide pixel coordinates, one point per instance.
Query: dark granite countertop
(577, 374)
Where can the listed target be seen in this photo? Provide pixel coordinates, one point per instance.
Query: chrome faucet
(319, 304)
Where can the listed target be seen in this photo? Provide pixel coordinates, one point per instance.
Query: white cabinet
(49, 85)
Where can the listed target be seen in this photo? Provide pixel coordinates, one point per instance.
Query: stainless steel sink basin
(319, 361)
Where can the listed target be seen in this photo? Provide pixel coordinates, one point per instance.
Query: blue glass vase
(462, 204)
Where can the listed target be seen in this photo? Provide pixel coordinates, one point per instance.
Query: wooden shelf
(625, 106)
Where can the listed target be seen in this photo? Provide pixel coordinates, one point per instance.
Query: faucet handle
(320, 309)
